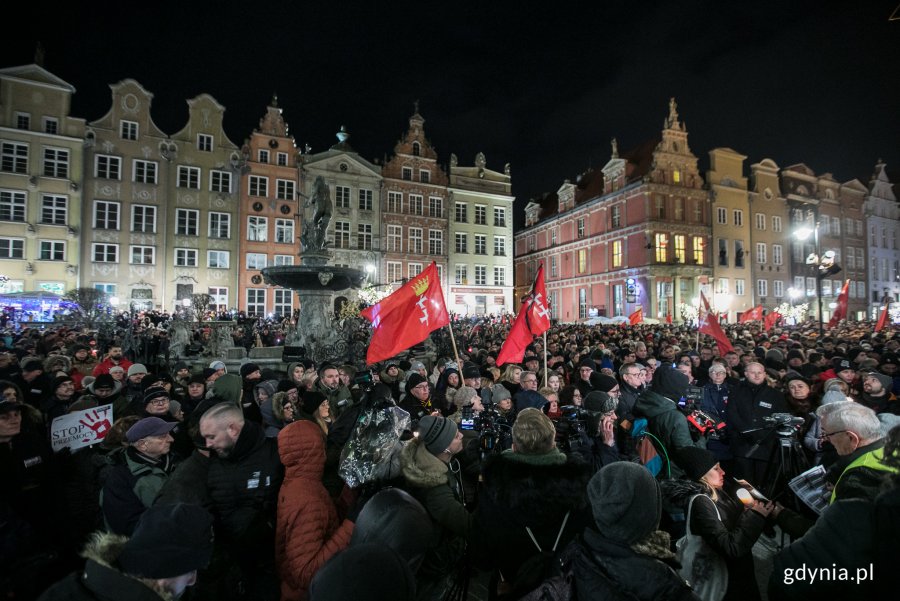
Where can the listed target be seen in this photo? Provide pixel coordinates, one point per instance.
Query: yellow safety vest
(872, 459)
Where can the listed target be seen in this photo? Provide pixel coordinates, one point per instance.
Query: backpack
(646, 445)
(555, 570)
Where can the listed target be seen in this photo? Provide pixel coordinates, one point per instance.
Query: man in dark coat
(749, 404)
(533, 487)
(244, 477)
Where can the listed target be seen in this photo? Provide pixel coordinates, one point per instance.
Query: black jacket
(611, 571)
(519, 493)
(748, 405)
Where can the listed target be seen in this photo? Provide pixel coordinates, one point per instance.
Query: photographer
(602, 409)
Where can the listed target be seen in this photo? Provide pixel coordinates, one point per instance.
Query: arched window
(416, 149)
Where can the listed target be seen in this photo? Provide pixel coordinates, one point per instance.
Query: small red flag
(883, 318)
(533, 320)
(770, 320)
(407, 316)
(636, 317)
(709, 324)
(841, 311)
(754, 314)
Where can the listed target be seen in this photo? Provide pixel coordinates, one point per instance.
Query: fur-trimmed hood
(56, 363)
(102, 572)
(528, 489)
(677, 493)
(420, 468)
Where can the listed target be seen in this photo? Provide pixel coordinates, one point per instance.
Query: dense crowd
(606, 448)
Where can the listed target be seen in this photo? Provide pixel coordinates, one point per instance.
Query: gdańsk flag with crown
(533, 320)
(406, 317)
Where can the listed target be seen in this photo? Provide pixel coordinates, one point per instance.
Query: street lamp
(802, 234)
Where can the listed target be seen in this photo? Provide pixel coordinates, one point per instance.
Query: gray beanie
(626, 502)
(499, 393)
(887, 382)
(436, 433)
(599, 402)
(462, 396)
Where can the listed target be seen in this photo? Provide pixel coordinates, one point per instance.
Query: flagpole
(453, 342)
(545, 358)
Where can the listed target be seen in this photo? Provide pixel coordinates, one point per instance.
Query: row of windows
(342, 196)
(462, 275)
(256, 301)
(48, 250)
(480, 247)
(414, 245)
(406, 173)
(14, 159)
(49, 125)
(461, 214)
(107, 215)
(261, 260)
(415, 204)
(102, 252)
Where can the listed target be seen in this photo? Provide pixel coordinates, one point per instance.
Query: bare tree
(200, 303)
(88, 306)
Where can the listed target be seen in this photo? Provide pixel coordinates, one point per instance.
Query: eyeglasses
(421, 386)
(161, 401)
(529, 381)
(825, 435)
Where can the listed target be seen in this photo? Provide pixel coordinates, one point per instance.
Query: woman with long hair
(510, 378)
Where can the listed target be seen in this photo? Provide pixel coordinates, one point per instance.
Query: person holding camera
(533, 499)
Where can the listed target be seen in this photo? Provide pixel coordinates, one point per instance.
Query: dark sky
(541, 88)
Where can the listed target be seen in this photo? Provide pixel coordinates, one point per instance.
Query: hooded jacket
(101, 579)
(308, 531)
(667, 423)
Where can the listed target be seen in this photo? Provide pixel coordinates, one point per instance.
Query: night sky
(543, 89)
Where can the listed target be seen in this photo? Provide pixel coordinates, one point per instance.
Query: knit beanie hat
(587, 362)
(136, 368)
(104, 381)
(169, 541)
(462, 396)
(603, 382)
(470, 370)
(60, 380)
(499, 393)
(669, 382)
(436, 433)
(246, 369)
(154, 392)
(285, 385)
(626, 502)
(887, 382)
(695, 461)
(197, 379)
(414, 379)
(599, 402)
(310, 401)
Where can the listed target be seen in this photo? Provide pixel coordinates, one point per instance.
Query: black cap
(169, 541)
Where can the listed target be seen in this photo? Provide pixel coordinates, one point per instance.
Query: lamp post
(802, 234)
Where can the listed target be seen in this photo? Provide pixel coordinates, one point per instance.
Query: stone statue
(315, 229)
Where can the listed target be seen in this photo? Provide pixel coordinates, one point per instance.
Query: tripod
(786, 460)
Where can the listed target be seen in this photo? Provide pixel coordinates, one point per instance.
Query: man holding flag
(533, 320)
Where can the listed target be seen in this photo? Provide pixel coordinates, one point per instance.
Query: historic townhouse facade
(635, 234)
(356, 187)
(735, 271)
(882, 216)
(770, 244)
(156, 204)
(480, 253)
(270, 214)
(414, 213)
(41, 186)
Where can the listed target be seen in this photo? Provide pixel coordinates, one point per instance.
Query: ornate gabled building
(770, 246)
(356, 187)
(41, 186)
(882, 218)
(480, 254)
(161, 208)
(633, 234)
(414, 214)
(270, 214)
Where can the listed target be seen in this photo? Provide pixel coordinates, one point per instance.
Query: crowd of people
(612, 443)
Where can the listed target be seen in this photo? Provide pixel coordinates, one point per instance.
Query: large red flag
(407, 316)
(533, 320)
(709, 324)
(770, 320)
(841, 311)
(636, 317)
(883, 318)
(754, 314)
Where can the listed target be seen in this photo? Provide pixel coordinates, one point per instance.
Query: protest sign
(81, 428)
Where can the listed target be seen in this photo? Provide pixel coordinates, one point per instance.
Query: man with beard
(329, 383)
(58, 403)
(245, 474)
(877, 394)
(113, 358)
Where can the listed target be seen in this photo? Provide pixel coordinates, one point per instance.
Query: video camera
(494, 428)
(571, 427)
(701, 423)
(784, 424)
(365, 380)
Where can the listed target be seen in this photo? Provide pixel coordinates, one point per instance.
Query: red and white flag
(636, 317)
(841, 311)
(709, 324)
(883, 317)
(533, 320)
(406, 317)
(754, 314)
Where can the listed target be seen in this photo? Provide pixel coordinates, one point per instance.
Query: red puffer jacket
(308, 532)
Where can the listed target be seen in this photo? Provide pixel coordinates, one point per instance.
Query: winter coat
(131, 486)
(339, 398)
(104, 366)
(853, 534)
(667, 423)
(393, 383)
(308, 531)
(609, 570)
(101, 579)
(437, 487)
(187, 484)
(857, 482)
(244, 490)
(732, 536)
(748, 405)
(533, 491)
